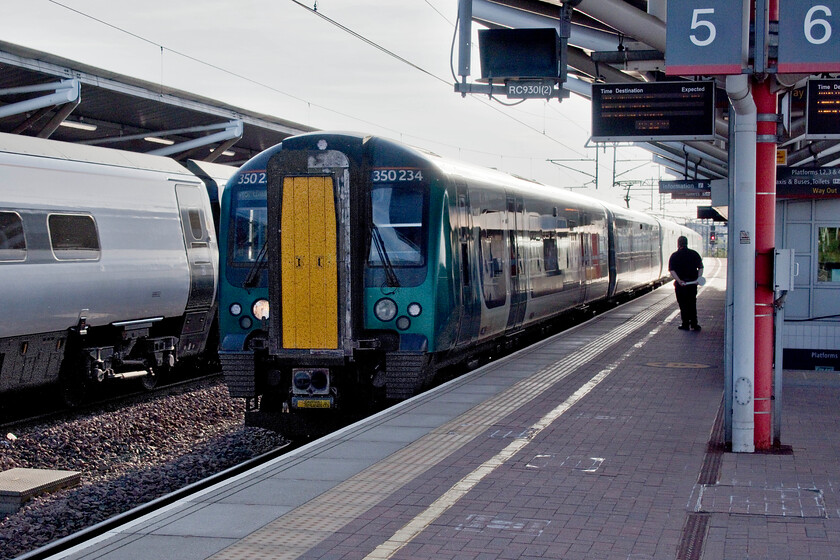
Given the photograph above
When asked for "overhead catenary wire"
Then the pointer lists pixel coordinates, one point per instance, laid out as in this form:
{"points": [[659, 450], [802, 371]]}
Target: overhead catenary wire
{"points": [[197, 60], [261, 84], [428, 73]]}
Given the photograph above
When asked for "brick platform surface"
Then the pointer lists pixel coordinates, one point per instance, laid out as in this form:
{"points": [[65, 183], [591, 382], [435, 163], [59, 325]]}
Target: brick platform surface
{"points": [[617, 476], [603, 442]]}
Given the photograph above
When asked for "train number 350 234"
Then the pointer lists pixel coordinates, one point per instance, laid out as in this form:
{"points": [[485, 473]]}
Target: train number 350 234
{"points": [[396, 175]]}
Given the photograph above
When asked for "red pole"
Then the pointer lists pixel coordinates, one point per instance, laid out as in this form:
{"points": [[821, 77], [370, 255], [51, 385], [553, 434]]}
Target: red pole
{"points": [[765, 232]]}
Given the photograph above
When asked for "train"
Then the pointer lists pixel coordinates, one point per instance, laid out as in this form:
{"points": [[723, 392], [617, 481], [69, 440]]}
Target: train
{"points": [[356, 269], [108, 264]]}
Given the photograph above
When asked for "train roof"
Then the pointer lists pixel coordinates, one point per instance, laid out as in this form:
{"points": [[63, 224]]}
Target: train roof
{"points": [[53, 149], [495, 176]]}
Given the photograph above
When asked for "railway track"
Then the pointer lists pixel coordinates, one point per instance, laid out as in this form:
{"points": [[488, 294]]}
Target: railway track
{"points": [[15, 415], [128, 454]]}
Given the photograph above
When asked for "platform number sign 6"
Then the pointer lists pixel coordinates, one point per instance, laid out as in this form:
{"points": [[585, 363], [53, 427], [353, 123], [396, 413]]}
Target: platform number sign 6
{"points": [[697, 22], [706, 37], [808, 38], [812, 21]]}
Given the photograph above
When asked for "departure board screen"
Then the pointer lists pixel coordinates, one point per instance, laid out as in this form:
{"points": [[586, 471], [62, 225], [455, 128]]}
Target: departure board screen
{"points": [[653, 111], [822, 120]]}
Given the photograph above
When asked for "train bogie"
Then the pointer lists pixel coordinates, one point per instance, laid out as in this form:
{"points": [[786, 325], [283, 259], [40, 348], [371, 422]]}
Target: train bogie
{"points": [[109, 263]]}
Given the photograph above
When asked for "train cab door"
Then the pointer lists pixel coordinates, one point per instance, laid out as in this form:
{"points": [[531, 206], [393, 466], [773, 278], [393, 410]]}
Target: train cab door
{"points": [[198, 241], [518, 281], [470, 305], [309, 263]]}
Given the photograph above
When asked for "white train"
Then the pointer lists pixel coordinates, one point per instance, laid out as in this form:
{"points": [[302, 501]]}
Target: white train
{"points": [[108, 262]]}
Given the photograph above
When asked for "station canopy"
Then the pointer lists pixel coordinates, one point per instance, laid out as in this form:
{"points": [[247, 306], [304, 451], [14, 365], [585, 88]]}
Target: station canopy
{"points": [[611, 41], [623, 41], [52, 97]]}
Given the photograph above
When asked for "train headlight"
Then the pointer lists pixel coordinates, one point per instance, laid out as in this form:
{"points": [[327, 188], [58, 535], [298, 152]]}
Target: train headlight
{"points": [[245, 322], [385, 309], [260, 309], [235, 309], [403, 323], [414, 309]]}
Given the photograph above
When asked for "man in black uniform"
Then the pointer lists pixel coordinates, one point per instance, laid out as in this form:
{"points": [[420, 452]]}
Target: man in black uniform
{"points": [[686, 265]]}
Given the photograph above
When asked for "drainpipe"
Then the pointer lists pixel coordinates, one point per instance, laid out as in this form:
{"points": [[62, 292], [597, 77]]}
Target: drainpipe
{"points": [[743, 280]]}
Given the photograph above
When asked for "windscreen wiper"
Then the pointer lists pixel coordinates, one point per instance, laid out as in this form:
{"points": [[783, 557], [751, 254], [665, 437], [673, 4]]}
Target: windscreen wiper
{"points": [[257, 267], [390, 275]]}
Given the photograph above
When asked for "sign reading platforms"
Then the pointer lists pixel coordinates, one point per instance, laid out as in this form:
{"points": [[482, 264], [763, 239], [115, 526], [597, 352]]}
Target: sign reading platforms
{"points": [[650, 111], [706, 37], [810, 182]]}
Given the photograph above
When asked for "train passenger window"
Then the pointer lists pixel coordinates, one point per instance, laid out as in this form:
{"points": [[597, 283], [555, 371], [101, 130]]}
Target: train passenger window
{"points": [[12, 239], [492, 251], [73, 237], [828, 251], [196, 223], [550, 252]]}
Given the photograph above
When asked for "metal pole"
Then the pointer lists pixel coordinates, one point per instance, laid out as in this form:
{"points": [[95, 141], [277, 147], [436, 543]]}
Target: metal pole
{"points": [[743, 280], [728, 377], [765, 240], [464, 38], [778, 374]]}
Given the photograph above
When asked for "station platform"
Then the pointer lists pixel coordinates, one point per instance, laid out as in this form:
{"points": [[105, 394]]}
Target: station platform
{"points": [[600, 442]]}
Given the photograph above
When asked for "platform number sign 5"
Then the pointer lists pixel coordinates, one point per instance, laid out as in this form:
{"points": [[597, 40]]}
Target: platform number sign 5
{"points": [[706, 37], [698, 21], [809, 36]]}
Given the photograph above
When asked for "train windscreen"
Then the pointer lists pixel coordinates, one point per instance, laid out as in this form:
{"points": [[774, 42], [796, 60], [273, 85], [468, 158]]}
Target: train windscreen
{"points": [[398, 235], [398, 217], [250, 216]]}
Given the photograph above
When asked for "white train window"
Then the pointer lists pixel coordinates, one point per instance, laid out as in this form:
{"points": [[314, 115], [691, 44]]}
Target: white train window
{"points": [[73, 237], [196, 223], [12, 239]]}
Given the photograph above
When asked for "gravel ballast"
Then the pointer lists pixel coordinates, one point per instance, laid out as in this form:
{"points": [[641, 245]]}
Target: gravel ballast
{"points": [[127, 457]]}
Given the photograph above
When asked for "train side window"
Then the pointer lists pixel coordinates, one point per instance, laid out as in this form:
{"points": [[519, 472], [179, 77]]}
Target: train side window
{"points": [[12, 239], [196, 223], [494, 283], [73, 237], [550, 252]]}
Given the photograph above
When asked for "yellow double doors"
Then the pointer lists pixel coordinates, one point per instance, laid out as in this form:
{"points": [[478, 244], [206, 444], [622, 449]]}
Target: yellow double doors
{"points": [[309, 274]]}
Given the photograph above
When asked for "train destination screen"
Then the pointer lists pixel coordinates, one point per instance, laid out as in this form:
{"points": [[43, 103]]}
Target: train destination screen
{"points": [[822, 120], [653, 111]]}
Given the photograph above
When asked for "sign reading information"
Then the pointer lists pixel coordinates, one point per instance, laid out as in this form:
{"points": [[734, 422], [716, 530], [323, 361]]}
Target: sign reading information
{"points": [[687, 188]]}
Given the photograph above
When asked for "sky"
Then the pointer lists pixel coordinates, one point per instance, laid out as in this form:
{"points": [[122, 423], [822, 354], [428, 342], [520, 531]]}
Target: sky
{"points": [[280, 58]]}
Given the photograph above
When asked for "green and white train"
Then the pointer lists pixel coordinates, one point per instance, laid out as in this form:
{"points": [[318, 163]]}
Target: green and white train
{"points": [[355, 267]]}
